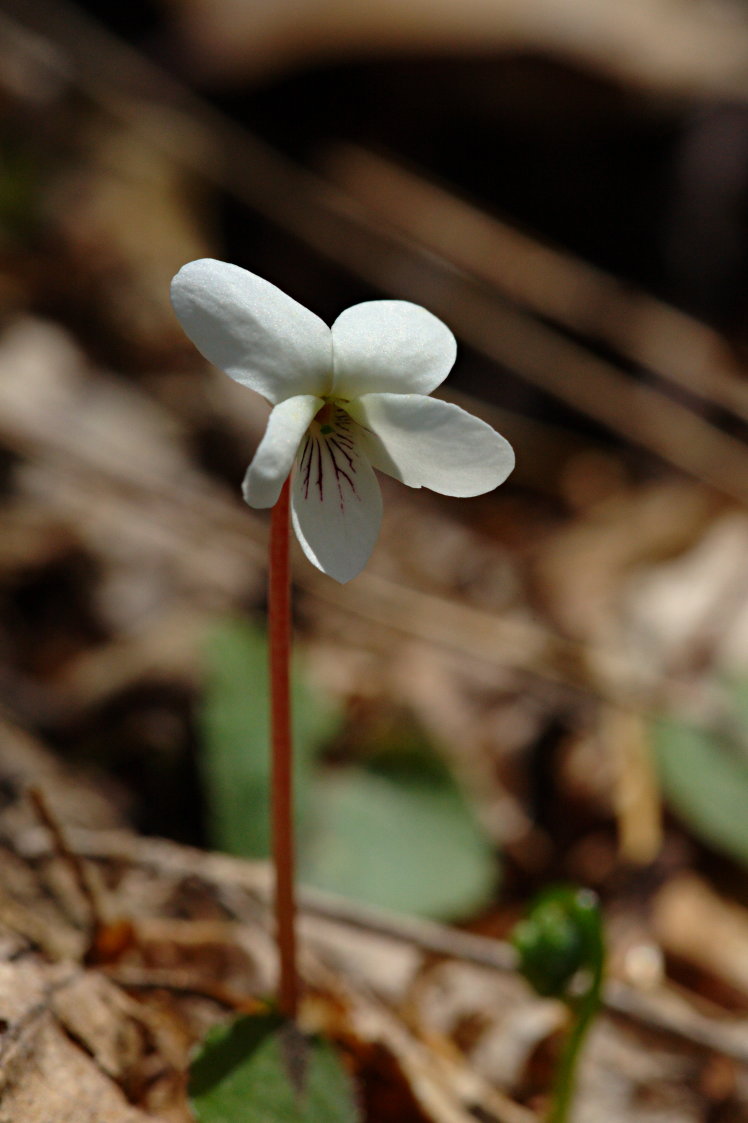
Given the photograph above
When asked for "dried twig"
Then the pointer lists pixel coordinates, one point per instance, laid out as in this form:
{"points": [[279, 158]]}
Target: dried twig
{"points": [[68, 856]]}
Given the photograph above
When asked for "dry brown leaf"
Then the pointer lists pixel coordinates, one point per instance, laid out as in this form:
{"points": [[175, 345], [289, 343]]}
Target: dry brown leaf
{"points": [[691, 612], [704, 929], [582, 570], [46, 1076]]}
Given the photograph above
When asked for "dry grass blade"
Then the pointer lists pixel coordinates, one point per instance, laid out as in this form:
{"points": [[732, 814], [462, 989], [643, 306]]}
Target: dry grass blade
{"points": [[675, 47], [545, 280]]}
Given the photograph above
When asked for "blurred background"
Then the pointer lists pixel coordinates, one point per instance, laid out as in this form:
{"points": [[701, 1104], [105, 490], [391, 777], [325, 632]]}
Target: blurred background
{"points": [[548, 682]]}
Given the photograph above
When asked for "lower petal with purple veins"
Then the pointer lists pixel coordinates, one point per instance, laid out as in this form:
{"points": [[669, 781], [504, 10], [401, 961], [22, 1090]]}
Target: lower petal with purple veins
{"points": [[336, 504]]}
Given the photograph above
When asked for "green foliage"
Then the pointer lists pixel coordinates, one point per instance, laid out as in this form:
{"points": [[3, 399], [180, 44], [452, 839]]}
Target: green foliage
{"points": [[561, 950], [704, 773], [262, 1069], [397, 833], [400, 834], [235, 735], [19, 191]]}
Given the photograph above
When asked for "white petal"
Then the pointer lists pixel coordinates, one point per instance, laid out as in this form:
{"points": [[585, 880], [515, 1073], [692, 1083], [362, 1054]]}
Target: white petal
{"points": [[390, 346], [277, 450], [428, 443], [336, 505], [252, 330]]}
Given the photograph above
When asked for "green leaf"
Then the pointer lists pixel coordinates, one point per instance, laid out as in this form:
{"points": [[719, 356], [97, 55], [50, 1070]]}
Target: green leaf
{"points": [[704, 774], [235, 739], [738, 697], [400, 834], [397, 833], [262, 1069]]}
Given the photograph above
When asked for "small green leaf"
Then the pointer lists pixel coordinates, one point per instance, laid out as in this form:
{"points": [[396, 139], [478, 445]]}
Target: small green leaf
{"points": [[704, 774], [235, 739], [561, 934], [400, 834], [737, 689], [262, 1069]]}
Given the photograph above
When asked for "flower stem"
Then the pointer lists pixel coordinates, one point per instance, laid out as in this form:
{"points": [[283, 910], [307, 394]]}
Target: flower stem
{"points": [[565, 1077], [279, 627]]}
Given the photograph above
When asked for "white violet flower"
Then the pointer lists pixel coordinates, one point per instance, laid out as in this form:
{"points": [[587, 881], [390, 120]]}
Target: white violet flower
{"points": [[345, 400]]}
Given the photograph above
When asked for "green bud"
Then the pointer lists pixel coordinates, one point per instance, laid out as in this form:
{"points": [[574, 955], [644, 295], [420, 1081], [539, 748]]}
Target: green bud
{"points": [[559, 937]]}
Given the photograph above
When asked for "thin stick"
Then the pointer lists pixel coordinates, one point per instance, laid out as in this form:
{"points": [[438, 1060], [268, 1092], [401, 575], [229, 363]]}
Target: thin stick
{"points": [[65, 852], [279, 626]]}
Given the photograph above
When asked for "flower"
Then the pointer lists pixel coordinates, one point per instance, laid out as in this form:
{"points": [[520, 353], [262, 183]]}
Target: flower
{"points": [[345, 400]]}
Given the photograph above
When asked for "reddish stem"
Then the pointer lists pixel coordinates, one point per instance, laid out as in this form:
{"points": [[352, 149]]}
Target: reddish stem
{"points": [[279, 626]]}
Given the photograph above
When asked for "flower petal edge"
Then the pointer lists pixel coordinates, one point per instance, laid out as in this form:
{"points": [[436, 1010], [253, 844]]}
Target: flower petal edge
{"points": [[276, 452], [252, 330], [390, 346], [426, 442]]}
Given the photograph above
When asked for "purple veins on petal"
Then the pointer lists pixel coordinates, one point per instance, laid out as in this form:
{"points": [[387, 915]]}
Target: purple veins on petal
{"points": [[306, 464], [340, 472], [340, 446], [335, 444]]}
